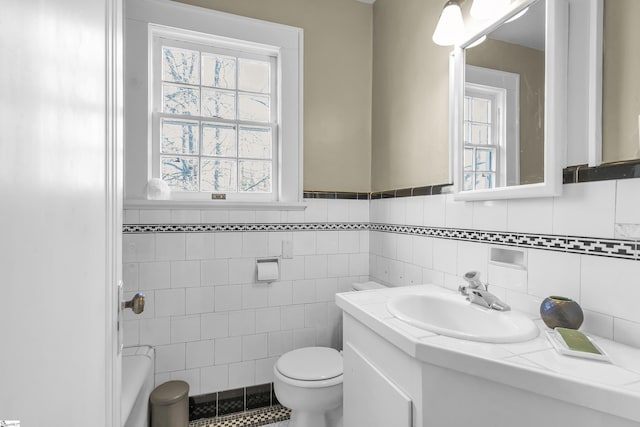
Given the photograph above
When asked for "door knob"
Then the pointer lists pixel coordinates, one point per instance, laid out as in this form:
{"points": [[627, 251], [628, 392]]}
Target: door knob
{"points": [[136, 304]]}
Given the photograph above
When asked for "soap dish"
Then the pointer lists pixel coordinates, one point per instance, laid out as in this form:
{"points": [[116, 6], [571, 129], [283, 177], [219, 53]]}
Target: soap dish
{"points": [[574, 343]]}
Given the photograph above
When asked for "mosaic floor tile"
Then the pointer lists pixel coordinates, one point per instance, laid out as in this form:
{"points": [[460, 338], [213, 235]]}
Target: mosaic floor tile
{"points": [[275, 416]]}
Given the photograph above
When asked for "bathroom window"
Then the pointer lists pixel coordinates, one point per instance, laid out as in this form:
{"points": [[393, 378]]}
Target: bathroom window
{"points": [[215, 127], [213, 104]]}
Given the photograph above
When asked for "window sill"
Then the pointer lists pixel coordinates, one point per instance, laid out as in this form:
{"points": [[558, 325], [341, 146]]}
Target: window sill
{"points": [[213, 205]]}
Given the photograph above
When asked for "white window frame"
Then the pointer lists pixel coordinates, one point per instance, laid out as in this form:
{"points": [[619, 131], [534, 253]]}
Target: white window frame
{"points": [[163, 36], [143, 15]]}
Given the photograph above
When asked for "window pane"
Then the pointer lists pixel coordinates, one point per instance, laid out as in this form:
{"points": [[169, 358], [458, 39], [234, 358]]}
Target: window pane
{"points": [[480, 109], [254, 76], [485, 160], [255, 142], [180, 65], [179, 137], [219, 175], [218, 71], [218, 140], [180, 99], [217, 103], [468, 181], [479, 134], [485, 180], [468, 159], [253, 108], [181, 173], [467, 132], [465, 105], [255, 176]]}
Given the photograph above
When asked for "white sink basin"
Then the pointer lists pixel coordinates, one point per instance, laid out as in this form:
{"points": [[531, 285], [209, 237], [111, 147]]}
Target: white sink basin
{"points": [[452, 315]]}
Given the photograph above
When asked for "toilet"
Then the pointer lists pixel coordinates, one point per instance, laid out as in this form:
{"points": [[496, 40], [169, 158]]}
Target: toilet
{"points": [[309, 382]]}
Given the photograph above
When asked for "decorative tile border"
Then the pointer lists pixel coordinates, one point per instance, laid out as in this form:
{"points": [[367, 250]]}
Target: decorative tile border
{"points": [[570, 175], [215, 405], [427, 190], [616, 248], [218, 228], [255, 418], [606, 171], [336, 195], [626, 249]]}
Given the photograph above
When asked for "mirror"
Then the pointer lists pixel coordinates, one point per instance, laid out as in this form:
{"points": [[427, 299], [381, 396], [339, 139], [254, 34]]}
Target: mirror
{"points": [[508, 104]]}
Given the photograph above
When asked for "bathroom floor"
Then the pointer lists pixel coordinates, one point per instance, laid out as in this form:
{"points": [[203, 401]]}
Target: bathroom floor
{"points": [[275, 416]]}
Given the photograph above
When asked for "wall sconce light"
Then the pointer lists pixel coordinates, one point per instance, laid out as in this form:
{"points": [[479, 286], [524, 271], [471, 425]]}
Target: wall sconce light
{"points": [[486, 9], [450, 28]]}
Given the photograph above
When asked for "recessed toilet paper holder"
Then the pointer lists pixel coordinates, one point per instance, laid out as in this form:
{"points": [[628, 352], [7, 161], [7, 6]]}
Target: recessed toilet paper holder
{"points": [[267, 270]]}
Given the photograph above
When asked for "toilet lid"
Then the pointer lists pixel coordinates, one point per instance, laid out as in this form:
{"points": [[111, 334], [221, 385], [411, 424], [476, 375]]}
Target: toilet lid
{"points": [[311, 364]]}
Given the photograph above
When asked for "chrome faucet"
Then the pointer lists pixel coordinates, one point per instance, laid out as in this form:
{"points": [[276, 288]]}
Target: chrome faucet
{"points": [[478, 293]]}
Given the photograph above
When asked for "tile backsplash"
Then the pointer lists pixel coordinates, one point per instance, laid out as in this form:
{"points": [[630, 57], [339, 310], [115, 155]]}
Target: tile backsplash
{"points": [[570, 245], [214, 326]]}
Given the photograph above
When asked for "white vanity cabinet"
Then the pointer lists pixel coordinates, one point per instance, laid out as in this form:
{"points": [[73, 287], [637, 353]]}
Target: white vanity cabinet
{"points": [[393, 377], [374, 399], [378, 388]]}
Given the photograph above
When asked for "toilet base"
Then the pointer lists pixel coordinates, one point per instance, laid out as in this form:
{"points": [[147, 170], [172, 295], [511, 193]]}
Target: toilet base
{"points": [[316, 419]]}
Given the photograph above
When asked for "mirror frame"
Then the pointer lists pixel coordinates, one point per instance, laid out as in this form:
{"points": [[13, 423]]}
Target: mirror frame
{"points": [[555, 114]]}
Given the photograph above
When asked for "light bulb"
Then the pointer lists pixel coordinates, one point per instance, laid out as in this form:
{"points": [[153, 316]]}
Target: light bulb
{"points": [[450, 28], [477, 42], [487, 9], [518, 15]]}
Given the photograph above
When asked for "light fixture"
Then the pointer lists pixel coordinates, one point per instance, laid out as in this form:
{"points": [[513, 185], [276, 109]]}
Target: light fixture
{"points": [[450, 28], [477, 42], [487, 9], [518, 15]]}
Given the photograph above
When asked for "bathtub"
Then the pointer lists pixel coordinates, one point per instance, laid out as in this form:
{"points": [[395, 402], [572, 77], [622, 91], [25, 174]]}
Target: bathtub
{"points": [[137, 385]]}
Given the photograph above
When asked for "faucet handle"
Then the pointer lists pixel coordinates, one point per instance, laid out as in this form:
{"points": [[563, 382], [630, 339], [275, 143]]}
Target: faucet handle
{"points": [[473, 279], [463, 290]]}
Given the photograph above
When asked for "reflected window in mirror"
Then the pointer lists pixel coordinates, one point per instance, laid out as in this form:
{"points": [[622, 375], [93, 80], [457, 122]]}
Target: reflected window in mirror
{"points": [[514, 53], [491, 129], [508, 104], [481, 139]]}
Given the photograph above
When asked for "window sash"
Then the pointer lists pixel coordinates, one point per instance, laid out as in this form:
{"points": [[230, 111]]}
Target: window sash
{"points": [[158, 115], [496, 136]]}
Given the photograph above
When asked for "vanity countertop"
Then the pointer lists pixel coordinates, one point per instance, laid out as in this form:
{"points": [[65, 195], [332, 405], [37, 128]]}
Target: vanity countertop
{"points": [[533, 365]]}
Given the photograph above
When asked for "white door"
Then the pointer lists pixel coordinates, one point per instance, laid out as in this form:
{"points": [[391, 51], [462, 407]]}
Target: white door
{"points": [[59, 212]]}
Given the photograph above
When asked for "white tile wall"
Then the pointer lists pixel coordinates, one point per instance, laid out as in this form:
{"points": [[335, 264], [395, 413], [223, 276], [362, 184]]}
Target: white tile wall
{"points": [[586, 209], [530, 216], [490, 215], [552, 273], [458, 214], [605, 287], [242, 374], [242, 322], [434, 211], [628, 202], [212, 324], [216, 328], [170, 247]]}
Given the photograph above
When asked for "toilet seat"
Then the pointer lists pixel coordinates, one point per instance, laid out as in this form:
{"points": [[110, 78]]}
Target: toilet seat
{"points": [[311, 367]]}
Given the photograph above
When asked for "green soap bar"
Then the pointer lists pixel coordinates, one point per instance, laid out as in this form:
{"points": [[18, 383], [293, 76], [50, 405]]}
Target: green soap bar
{"points": [[577, 341]]}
